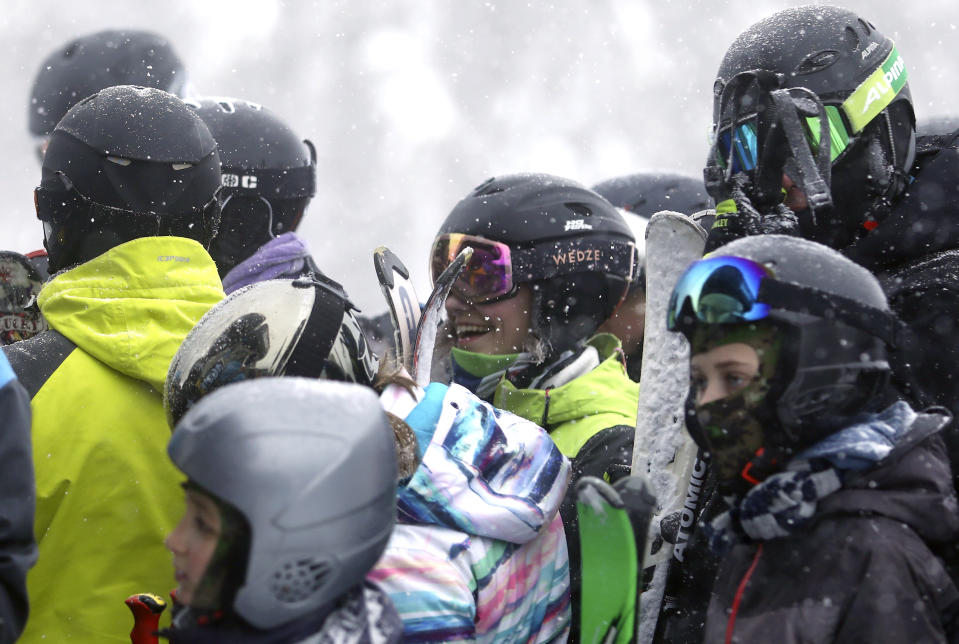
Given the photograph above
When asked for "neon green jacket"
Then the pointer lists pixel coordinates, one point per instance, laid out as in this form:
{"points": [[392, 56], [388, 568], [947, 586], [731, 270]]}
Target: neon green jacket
{"points": [[107, 495], [578, 410]]}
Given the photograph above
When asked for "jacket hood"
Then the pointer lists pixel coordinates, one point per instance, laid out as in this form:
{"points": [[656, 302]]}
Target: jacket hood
{"points": [[923, 221], [485, 472], [284, 256], [131, 307], [913, 485]]}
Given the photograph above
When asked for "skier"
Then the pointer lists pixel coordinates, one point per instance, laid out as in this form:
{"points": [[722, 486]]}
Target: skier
{"points": [[479, 552], [277, 549], [551, 261], [127, 207], [20, 283], [18, 547], [833, 491], [640, 196], [83, 66], [269, 178]]}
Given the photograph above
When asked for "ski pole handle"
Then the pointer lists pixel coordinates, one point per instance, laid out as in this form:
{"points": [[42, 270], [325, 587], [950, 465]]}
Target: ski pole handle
{"points": [[146, 609]]}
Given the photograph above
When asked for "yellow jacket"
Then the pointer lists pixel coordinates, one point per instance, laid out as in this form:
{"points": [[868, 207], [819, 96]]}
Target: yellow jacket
{"points": [[107, 494]]}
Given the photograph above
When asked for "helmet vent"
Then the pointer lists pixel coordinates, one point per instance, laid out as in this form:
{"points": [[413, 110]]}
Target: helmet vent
{"points": [[817, 61], [298, 580], [852, 38], [227, 106], [866, 26], [119, 161], [487, 188], [579, 209]]}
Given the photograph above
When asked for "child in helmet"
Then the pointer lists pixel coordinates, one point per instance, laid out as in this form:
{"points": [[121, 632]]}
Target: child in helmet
{"points": [[836, 491], [551, 261], [285, 515], [479, 552]]}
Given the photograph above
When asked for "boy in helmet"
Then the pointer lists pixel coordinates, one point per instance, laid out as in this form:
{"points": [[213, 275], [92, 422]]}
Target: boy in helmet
{"points": [[269, 178], [835, 495], [479, 552], [277, 549], [551, 261], [128, 205]]}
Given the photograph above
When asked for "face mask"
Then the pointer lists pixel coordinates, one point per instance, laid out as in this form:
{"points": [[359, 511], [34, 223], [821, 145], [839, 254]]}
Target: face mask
{"points": [[734, 429]]}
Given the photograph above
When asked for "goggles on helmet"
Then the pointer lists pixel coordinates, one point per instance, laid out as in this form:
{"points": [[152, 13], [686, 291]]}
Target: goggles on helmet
{"points": [[737, 146], [491, 274], [55, 206], [729, 290]]}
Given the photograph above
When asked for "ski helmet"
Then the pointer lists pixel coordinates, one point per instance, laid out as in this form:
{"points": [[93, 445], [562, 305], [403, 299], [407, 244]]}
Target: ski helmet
{"points": [[804, 75], [311, 466], [85, 65], [571, 245], [269, 176], [20, 283], [301, 327], [125, 163], [826, 360]]}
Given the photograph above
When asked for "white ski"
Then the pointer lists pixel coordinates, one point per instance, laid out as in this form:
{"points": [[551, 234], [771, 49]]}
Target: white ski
{"points": [[663, 451]]}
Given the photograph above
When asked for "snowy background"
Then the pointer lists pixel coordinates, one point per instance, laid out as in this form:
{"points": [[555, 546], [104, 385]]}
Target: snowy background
{"points": [[411, 103]]}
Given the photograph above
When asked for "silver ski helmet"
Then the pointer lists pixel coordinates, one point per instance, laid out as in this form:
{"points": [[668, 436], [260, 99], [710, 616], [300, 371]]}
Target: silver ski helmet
{"points": [[300, 327], [269, 175], [311, 466], [569, 243], [846, 83]]}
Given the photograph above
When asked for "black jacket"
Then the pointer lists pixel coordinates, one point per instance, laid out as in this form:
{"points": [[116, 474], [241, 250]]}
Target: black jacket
{"points": [[18, 549], [862, 570]]}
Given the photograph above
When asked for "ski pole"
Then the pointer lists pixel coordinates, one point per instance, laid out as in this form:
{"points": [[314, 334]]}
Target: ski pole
{"points": [[146, 609]]}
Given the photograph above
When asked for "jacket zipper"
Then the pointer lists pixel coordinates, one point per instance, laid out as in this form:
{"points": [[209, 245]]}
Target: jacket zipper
{"points": [[739, 595]]}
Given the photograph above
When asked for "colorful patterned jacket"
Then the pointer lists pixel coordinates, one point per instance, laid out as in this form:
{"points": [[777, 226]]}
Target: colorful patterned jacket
{"points": [[479, 553]]}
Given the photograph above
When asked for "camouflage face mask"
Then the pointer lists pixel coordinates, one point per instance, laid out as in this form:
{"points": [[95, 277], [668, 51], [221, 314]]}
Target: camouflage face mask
{"points": [[734, 429]]}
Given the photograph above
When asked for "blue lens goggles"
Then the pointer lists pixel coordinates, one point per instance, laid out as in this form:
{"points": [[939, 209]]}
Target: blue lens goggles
{"points": [[738, 146], [718, 290], [729, 290]]}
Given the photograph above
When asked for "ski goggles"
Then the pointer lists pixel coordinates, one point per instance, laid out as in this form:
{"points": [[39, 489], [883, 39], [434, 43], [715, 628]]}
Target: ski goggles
{"points": [[729, 290], [492, 273], [737, 145], [487, 277]]}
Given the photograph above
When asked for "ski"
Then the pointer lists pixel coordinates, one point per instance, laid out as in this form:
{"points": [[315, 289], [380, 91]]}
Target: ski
{"points": [[613, 525], [404, 307], [663, 451], [432, 316]]}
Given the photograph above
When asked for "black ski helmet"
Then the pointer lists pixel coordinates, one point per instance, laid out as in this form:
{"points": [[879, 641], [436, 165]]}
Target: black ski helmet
{"points": [[646, 193], [837, 334], [127, 162], [643, 194], [302, 327], [838, 68], [269, 176], [582, 255], [85, 65], [311, 467]]}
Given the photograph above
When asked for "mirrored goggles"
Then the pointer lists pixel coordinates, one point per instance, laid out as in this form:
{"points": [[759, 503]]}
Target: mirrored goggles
{"points": [[728, 290], [738, 145], [489, 274]]}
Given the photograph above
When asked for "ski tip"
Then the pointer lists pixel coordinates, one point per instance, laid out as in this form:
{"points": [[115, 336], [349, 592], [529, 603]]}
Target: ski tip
{"points": [[385, 262], [675, 220]]}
